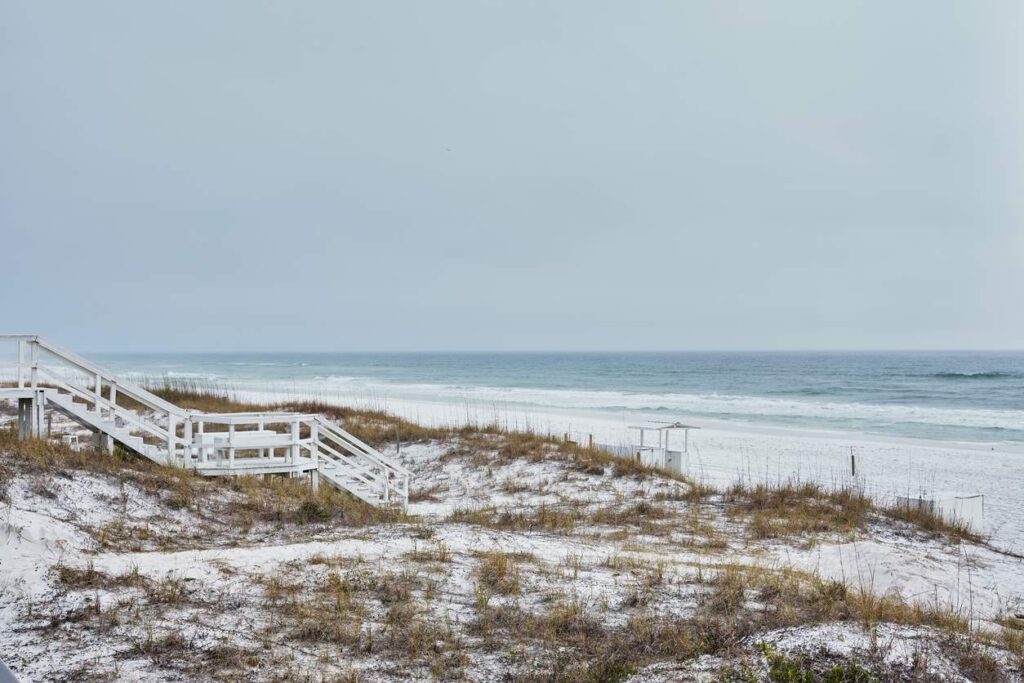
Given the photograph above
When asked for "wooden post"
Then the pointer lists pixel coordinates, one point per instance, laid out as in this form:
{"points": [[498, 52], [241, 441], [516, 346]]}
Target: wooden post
{"points": [[231, 444], [314, 444], [853, 461], [21, 363], [34, 366], [314, 451], [99, 396], [25, 408], [188, 438], [38, 405], [295, 442], [590, 441], [172, 431], [202, 446], [398, 440]]}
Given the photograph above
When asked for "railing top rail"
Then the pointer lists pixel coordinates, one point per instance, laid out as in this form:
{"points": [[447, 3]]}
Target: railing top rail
{"points": [[61, 381], [242, 441], [249, 418], [133, 390], [366, 450], [19, 337], [121, 412]]}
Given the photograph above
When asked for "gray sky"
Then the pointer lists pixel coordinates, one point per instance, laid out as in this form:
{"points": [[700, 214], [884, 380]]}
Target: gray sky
{"points": [[512, 175]]}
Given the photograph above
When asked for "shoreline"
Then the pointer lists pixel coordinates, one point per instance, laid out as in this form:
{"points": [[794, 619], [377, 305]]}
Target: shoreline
{"points": [[441, 412], [723, 453]]}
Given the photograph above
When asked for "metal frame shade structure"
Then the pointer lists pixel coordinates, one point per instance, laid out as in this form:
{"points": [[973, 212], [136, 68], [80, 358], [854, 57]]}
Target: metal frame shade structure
{"points": [[661, 455]]}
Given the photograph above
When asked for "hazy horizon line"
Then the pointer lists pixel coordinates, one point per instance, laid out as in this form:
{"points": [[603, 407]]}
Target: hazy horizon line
{"points": [[559, 351]]}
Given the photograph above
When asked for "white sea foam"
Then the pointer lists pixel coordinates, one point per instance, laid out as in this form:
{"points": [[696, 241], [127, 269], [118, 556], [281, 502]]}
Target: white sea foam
{"points": [[710, 405], [784, 411]]}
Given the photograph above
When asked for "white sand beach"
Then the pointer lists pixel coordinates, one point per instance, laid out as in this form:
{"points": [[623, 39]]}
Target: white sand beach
{"points": [[722, 453]]}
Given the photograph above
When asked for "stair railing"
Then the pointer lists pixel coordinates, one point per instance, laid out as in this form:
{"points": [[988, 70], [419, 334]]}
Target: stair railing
{"points": [[32, 369], [114, 411], [317, 436], [258, 439], [391, 476]]}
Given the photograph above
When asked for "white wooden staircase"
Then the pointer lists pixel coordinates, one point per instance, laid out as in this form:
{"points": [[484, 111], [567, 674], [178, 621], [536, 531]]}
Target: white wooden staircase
{"points": [[214, 444]]}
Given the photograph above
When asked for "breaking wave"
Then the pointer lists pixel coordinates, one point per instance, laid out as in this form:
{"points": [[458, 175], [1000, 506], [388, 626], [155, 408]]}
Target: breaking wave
{"points": [[717, 406], [992, 374]]}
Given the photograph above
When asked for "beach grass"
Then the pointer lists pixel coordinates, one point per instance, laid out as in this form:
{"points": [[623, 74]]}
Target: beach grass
{"points": [[779, 509]]}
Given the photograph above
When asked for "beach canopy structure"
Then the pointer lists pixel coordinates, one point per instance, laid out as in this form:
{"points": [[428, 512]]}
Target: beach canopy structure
{"points": [[116, 411], [660, 454]]}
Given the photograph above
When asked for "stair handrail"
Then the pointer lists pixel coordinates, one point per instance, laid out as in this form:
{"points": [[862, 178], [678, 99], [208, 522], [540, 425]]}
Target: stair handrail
{"points": [[130, 389], [349, 461], [353, 470], [360, 447], [249, 418], [119, 411], [351, 457], [365, 461]]}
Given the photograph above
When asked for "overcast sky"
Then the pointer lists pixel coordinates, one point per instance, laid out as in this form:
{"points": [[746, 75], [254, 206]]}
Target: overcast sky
{"points": [[381, 175]]}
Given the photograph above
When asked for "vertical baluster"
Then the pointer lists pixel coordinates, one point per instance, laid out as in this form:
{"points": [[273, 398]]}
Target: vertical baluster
{"points": [[99, 396], [231, 444], [34, 366], [39, 404], [188, 440], [202, 443], [172, 429], [314, 451], [295, 442], [21, 363]]}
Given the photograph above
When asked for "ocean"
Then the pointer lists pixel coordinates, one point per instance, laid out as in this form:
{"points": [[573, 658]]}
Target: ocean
{"points": [[950, 396]]}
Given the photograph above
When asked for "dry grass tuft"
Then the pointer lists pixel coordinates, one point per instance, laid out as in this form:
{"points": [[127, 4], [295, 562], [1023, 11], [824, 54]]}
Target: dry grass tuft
{"points": [[740, 603], [541, 518], [932, 523], [230, 505], [791, 508], [801, 509], [498, 573]]}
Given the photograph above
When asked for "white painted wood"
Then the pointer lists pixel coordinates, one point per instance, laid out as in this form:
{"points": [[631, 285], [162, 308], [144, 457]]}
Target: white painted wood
{"points": [[39, 404], [295, 441], [172, 431], [21, 363], [34, 350], [335, 456], [187, 439]]}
